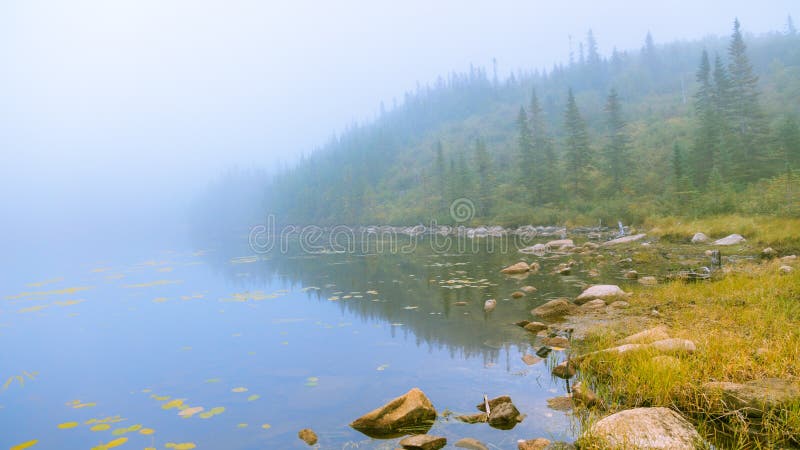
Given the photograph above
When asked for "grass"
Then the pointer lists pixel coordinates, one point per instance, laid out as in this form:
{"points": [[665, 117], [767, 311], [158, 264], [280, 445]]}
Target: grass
{"points": [[781, 233], [746, 326]]}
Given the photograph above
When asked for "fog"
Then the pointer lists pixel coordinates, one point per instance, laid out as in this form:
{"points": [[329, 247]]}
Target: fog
{"points": [[113, 114]]}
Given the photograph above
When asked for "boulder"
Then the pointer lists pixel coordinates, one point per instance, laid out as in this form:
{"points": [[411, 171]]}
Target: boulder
{"points": [[493, 403], [423, 442], [471, 444], [753, 397], [560, 243], [619, 304], [535, 327], [700, 238], [533, 444], [538, 249], [473, 418], [785, 270], [624, 239], [554, 308], [674, 345], [522, 323], [603, 291], [648, 281], [308, 436], [565, 370], [732, 239], [594, 305], [517, 294], [647, 336], [645, 428], [789, 258], [520, 267], [489, 305], [556, 341], [631, 274], [504, 416], [768, 253], [585, 396], [528, 289], [413, 410]]}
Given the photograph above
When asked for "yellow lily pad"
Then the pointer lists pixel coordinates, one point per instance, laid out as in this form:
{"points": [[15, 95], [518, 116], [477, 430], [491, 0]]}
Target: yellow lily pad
{"points": [[67, 425], [25, 445]]}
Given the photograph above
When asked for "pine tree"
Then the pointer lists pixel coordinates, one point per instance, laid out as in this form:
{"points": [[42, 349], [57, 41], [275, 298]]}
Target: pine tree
{"points": [[747, 121], [790, 28], [526, 167], [577, 154], [678, 168], [544, 157], [592, 54], [483, 166], [616, 150], [706, 137], [789, 142], [440, 174], [721, 120]]}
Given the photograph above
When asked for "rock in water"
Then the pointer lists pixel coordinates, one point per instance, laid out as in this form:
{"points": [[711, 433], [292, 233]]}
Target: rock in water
{"points": [[410, 411], [504, 416], [517, 294], [308, 436], [602, 291], [423, 442], [553, 308], [535, 327], [489, 305], [584, 395], [700, 238], [471, 444], [564, 370], [528, 289], [533, 444], [732, 239], [645, 428], [520, 267]]}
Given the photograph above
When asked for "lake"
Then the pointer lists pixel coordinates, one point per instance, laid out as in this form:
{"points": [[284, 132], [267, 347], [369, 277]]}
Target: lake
{"points": [[125, 348]]}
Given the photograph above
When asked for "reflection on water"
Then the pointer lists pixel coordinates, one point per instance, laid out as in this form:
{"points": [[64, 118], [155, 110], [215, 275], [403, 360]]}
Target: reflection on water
{"points": [[220, 348]]}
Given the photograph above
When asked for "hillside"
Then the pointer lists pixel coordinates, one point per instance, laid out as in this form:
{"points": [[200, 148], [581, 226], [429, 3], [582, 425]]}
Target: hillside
{"points": [[680, 138]]}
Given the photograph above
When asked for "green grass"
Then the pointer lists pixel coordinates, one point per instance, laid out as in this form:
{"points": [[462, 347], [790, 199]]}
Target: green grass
{"points": [[781, 233], [746, 326]]}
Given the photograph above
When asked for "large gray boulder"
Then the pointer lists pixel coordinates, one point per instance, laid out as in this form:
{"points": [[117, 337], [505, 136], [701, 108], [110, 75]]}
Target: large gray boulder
{"points": [[555, 308], [413, 410], [624, 239], [423, 442], [700, 238], [601, 291], [645, 428], [753, 397], [732, 239], [520, 267]]}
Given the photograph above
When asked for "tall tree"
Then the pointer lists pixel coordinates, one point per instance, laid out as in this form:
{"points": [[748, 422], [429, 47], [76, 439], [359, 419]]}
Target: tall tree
{"points": [[592, 54], [747, 121], [525, 171], [788, 138], [483, 167], [721, 120], [577, 153], [544, 157], [790, 28], [706, 137], [616, 149], [440, 174]]}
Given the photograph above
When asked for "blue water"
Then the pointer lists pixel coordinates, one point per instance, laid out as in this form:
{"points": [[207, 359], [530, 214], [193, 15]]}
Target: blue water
{"points": [[157, 323]]}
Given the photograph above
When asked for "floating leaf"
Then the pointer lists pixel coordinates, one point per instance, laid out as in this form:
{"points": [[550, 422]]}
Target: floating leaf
{"points": [[152, 284], [42, 283], [70, 290], [181, 446], [115, 443], [189, 412], [212, 412], [25, 445], [241, 425], [312, 381], [67, 425], [239, 389], [67, 302], [382, 367], [147, 431], [161, 398], [266, 426], [101, 427], [77, 404], [176, 403], [213, 380], [253, 398], [30, 309]]}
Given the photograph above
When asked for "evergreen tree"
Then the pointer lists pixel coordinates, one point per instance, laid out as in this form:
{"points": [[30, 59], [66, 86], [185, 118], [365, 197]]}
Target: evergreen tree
{"points": [[577, 156], [592, 54], [525, 174], [544, 157], [440, 175], [790, 28], [678, 169], [706, 137], [616, 150], [789, 142], [748, 126], [483, 166], [721, 120]]}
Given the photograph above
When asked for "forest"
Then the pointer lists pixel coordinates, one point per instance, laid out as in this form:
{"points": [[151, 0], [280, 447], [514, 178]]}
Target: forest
{"points": [[687, 128]]}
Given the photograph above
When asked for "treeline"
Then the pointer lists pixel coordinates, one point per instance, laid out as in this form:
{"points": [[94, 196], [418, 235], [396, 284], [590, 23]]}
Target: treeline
{"points": [[687, 128]]}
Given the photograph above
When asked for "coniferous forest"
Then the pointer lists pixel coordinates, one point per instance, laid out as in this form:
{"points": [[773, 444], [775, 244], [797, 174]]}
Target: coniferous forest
{"points": [[684, 128]]}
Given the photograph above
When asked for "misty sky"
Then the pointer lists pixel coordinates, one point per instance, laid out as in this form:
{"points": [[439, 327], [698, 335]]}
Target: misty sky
{"points": [[137, 102]]}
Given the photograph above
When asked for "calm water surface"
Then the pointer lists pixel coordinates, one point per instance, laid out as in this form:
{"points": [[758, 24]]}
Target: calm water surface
{"points": [[281, 342]]}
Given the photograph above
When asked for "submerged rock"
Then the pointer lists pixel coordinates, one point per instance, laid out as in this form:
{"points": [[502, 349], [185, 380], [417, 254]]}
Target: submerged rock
{"points": [[473, 418], [517, 294], [556, 341], [308, 436], [530, 359], [602, 291], [528, 289], [423, 442], [732, 239], [753, 398], [565, 370], [535, 327], [520, 267], [585, 396], [471, 444], [645, 428], [533, 444], [413, 410], [553, 308]]}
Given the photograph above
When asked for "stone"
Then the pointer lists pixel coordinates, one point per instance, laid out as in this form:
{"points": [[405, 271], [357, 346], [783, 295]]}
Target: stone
{"points": [[471, 444], [788, 259], [648, 281], [563, 269], [522, 323], [489, 305], [585, 396], [624, 348], [423, 442], [520, 267], [530, 359], [533, 444], [517, 294], [645, 428], [554, 308], [528, 289], [493, 403], [535, 327], [308, 436], [473, 418], [504, 416], [534, 267], [700, 238], [732, 239], [603, 291], [543, 351], [565, 370], [537, 249], [754, 398], [674, 345], [631, 274], [560, 243], [647, 336], [561, 403], [624, 239], [594, 305], [619, 304], [768, 253], [413, 410], [556, 341], [785, 270], [460, 304]]}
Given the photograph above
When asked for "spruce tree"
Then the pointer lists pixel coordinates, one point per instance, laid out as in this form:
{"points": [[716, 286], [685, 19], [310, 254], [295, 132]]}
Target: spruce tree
{"points": [[723, 145], [616, 149], [440, 174], [577, 156], [526, 165], [544, 157], [483, 167], [789, 142], [705, 140]]}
